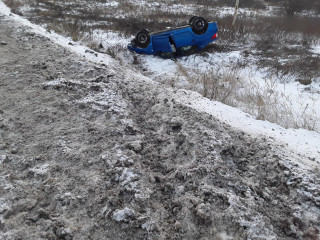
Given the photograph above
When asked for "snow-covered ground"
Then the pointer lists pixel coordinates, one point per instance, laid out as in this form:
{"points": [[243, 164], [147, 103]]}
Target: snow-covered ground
{"points": [[302, 101], [301, 141], [316, 49], [103, 151]]}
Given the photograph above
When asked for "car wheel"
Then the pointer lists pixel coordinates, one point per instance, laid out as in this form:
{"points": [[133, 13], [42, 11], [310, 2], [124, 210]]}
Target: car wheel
{"points": [[143, 38], [191, 20], [199, 25]]}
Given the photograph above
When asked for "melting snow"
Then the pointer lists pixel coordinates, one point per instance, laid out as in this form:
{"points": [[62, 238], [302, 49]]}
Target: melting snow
{"points": [[316, 49], [123, 215], [40, 170], [127, 176]]}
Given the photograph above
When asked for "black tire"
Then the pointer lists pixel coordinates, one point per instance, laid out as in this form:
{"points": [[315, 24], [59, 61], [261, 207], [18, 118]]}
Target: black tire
{"points": [[191, 20], [143, 38], [199, 25]]}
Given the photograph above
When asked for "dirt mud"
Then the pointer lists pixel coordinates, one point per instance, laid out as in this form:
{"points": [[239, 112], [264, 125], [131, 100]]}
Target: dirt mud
{"points": [[89, 151]]}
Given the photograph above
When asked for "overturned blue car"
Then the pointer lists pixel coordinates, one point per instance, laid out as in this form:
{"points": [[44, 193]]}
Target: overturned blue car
{"points": [[177, 41]]}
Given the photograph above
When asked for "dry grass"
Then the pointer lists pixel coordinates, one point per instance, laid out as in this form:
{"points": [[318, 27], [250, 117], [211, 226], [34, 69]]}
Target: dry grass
{"points": [[15, 5], [264, 99]]}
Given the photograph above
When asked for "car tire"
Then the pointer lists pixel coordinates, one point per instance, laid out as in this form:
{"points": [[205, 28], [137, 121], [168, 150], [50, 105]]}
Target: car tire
{"points": [[199, 25], [143, 38], [191, 20]]}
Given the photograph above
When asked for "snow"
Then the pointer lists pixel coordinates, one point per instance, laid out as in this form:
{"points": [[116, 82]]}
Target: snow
{"points": [[111, 4], [4, 9], [304, 142], [160, 66], [110, 39], [127, 176], [316, 49], [61, 81], [225, 236], [3, 158], [148, 225], [40, 170], [107, 99], [123, 215]]}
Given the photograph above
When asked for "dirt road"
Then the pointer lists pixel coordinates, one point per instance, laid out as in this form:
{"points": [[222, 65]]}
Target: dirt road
{"points": [[89, 151]]}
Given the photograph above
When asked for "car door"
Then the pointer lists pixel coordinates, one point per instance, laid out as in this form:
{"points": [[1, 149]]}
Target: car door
{"points": [[161, 43], [183, 38]]}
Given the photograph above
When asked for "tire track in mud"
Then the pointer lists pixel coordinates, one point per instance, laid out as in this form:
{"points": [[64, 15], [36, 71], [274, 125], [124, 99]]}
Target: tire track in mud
{"points": [[92, 152]]}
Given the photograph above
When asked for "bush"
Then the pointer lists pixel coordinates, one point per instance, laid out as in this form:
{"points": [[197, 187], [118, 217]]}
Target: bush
{"points": [[294, 6], [252, 4]]}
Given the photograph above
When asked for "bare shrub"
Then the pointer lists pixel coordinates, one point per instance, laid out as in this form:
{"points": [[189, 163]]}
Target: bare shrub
{"points": [[13, 4], [215, 83], [294, 6], [252, 4], [238, 34], [228, 3], [127, 6], [74, 29], [283, 46], [48, 15], [258, 4]]}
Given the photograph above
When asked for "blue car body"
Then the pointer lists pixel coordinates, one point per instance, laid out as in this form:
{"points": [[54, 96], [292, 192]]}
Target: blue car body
{"points": [[177, 40]]}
